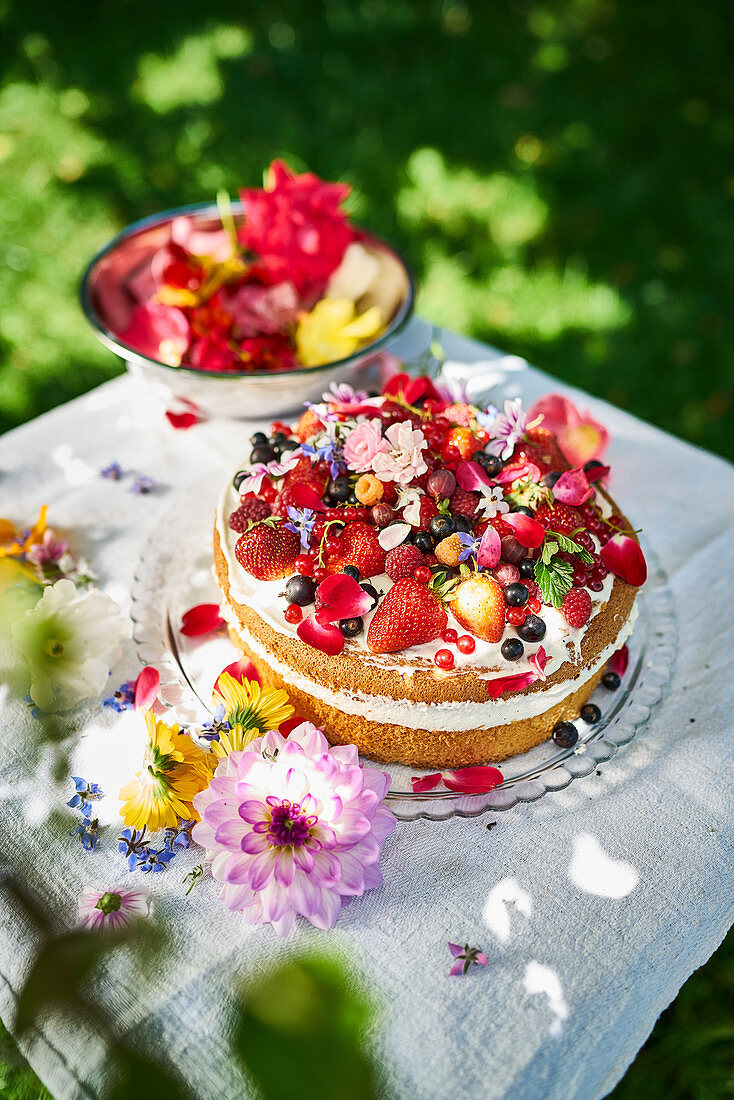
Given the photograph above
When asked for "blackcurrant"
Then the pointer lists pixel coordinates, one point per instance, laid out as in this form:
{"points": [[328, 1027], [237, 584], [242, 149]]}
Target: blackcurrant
{"points": [[239, 477], [523, 510], [512, 649], [258, 439], [300, 590], [611, 681], [463, 523], [278, 439], [262, 453], [550, 479], [423, 541], [527, 567], [353, 499], [591, 465], [516, 595], [590, 714], [290, 445], [565, 734], [441, 527], [351, 627], [490, 463], [532, 630], [339, 490], [352, 571]]}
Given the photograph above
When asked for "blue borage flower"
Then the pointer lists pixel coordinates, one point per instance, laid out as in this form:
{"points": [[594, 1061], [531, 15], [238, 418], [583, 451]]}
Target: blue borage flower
{"points": [[180, 836], [86, 794], [113, 472], [470, 544], [133, 845], [328, 450], [211, 730], [123, 698], [155, 861], [142, 484], [88, 833], [35, 712], [302, 523]]}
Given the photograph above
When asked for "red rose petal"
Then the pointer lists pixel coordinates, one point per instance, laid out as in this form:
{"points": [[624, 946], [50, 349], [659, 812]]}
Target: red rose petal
{"points": [[329, 639], [340, 597], [490, 549], [520, 680], [241, 670], [303, 496], [425, 782], [597, 473], [573, 487], [476, 780], [471, 476], [528, 531], [147, 687], [623, 557], [620, 660], [520, 471], [202, 619], [182, 421]]}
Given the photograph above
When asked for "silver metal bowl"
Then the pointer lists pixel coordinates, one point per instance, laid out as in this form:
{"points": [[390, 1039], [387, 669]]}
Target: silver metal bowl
{"points": [[246, 394]]}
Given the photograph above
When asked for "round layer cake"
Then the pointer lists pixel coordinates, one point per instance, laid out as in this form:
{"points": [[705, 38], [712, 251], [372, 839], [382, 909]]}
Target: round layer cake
{"points": [[429, 581]]}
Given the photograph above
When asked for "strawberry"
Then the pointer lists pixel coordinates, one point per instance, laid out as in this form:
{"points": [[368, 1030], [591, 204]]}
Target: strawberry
{"points": [[559, 517], [308, 474], [410, 614], [249, 512], [401, 561], [359, 546], [267, 551], [479, 605], [308, 425], [460, 413], [463, 503], [577, 607], [541, 447], [427, 512]]}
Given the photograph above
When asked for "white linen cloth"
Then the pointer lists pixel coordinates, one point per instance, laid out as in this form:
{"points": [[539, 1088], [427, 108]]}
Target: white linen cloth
{"points": [[593, 905]]}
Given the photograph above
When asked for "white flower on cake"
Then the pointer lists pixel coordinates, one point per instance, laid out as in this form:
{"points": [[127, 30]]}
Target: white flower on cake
{"points": [[69, 640], [409, 502], [508, 428], [492, 502], [404, 461]]}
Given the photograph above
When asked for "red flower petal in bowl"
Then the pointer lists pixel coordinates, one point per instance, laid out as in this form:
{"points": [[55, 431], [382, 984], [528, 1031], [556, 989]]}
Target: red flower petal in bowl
{"points": [[520, 680], [202, 619], [476, 780], [241, 670], [620, 660], [490, 549], [528, 531], [425, 782], [471, 476], [623, 557], [147, 687], [340, 597], [573, 487], [158, 331], [329, 639]]}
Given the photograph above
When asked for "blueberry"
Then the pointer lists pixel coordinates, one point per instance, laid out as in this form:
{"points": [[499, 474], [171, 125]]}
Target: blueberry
{"points": [[527, 567], [441, 527], [300, 590], [352, 571], [371, 591], [512, 649], [532, 630], [352, 499], [590, 714], [565, 734], [523, 510], [550, 479], [463, 523], [339, 490], [516, 594], [239, 477], [258, 439], [262, 453], [490, 463], [290, 445], [611, 681], [423, 541], [351, 627]]}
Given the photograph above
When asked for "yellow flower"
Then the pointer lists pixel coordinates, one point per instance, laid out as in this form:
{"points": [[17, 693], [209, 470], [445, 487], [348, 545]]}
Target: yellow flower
{"points": [[13, 544], [333, 330], [250, 710], [175, 769]]}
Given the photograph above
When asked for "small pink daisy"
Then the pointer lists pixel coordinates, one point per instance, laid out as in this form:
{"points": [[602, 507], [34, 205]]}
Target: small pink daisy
{"points": [[113, 907]]}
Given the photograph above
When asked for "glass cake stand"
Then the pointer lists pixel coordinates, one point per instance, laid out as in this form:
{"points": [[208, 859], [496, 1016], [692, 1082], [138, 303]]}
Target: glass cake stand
{"points": [[175, 573]]}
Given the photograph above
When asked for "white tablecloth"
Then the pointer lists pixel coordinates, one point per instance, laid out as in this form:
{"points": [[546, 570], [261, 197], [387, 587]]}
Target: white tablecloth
{"points": [[593, 905]]}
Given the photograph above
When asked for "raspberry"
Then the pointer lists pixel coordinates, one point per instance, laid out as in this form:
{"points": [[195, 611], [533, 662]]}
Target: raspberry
{"points": [[577, 607], [249, 512], [463, 503], [401, 561]]}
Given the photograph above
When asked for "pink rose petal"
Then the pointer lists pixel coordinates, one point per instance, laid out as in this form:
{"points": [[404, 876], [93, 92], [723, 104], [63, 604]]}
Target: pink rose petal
{"points": [[490, 549], [394, 535], [341, 597], [580, 437], [476, 780], [520, 471], [528, 532], [241, 670], [147, 687], [620, 661], [520, 680], [471, 476], [304, 496], [425, 782], [573, 487], [538, 661], [329, 639], [623, 557], [202, 619]]}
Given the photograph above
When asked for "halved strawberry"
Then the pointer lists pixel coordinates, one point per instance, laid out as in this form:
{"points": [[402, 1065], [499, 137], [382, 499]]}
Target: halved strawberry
{"points": [[268, 551], [410, 614], [360, 547], [479, 605], [308, 425]]}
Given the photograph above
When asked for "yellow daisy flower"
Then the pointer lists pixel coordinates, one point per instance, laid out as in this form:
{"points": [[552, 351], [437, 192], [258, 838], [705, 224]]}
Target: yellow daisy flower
{"points": [[175, 769], [14, 544], [250, 710], [333, 330]]}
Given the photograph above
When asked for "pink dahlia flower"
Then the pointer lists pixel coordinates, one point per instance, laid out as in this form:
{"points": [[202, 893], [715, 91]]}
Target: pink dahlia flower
{"points": [[363, 444], [580, 437], [113, 907], [293, 827]]}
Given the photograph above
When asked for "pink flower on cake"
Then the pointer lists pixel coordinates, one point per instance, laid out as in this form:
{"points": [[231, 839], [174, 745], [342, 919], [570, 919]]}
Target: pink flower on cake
{"points": [[254, 481], [580, 437], [508, 428], [293, 828], [363, 445], [403, 461]]}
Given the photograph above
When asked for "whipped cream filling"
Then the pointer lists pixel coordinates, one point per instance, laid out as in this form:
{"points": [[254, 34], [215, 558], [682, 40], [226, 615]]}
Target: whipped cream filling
{"points": [[562, 642]]}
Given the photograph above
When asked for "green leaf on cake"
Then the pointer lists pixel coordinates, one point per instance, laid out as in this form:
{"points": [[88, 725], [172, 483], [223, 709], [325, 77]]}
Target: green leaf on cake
{"points": [[569, 546], [555, 580]]}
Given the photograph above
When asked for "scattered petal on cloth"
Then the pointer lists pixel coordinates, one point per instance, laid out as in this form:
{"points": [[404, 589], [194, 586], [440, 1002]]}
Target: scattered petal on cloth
{"points": [[465, 957]]}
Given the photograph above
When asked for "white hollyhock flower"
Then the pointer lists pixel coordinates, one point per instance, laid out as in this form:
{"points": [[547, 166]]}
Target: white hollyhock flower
{"points": [[492, 502], [69, 640], [409, 503]]}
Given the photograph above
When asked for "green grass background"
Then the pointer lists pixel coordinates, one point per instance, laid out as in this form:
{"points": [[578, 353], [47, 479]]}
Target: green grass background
{"points": [[560, 174]]}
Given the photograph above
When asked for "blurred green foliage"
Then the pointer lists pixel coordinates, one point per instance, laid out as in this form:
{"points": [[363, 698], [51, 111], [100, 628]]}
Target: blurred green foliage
{"points": [[558, 172]]}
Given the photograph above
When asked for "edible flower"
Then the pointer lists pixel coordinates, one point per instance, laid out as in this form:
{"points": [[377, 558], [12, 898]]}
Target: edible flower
{"points": [[403, 462], [363, 445], [112, 907], [250, 710], [465, 957], [580, 437], [15, 544], [334, 330], [508, 428]]}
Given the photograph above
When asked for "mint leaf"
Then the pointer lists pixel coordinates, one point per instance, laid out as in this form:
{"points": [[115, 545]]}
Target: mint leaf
{"points": [[549, 549], [555, 579], [569, 546]]}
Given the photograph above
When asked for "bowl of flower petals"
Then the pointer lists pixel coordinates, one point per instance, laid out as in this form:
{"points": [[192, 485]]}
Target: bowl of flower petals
{"points": [[248, 309]]}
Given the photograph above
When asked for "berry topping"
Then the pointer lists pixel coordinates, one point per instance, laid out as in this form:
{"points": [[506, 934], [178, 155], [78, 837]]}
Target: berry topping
{"points": [[293, 613], [532, 630], [368, 490], [268, 551], [423, 541], [308, 425], [444, 659], [565, 735], [350, 628], [304, 565], [422, 574], [459, 445], [512, 649], [441, 527], [249, 512], [590, 714], [559, 517], [360, 547], [402, 561], [466, 644], [491, 464], [410, 614], [382, 515], [516, 595], [449, 635], [441, 484], [611, 681], [262, 453], [300, 590], [352, 571], [576, 607], [478, 604], [464, 503], [449, 550]]}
